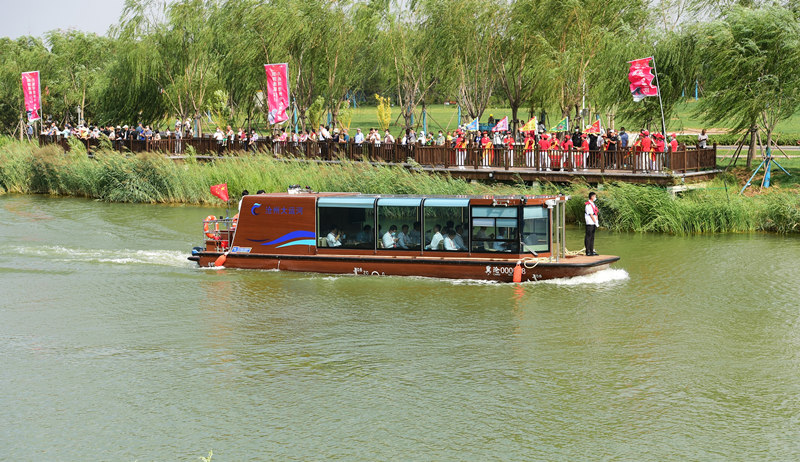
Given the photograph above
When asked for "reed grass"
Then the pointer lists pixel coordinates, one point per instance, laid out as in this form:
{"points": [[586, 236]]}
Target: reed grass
{"points": [[153, 178]]}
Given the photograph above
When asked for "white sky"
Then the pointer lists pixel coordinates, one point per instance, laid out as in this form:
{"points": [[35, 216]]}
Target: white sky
{"points": [[35, 17]]}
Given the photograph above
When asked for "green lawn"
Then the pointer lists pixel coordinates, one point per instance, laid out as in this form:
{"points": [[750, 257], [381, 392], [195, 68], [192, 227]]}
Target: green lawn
{"points": [[441, 117]]}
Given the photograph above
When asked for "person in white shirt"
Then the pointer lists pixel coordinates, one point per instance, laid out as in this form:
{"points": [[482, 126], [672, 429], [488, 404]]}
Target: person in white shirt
{"points": [[388, 139], [334, 238], [402, 238], [324, 134], [389, 238], [244, 193], [592, 222], [449, 241], [437, 238], [702, 139], [359, 138]]}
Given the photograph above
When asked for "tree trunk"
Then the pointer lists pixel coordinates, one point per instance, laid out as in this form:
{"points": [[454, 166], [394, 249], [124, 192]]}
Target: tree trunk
{"points": [[514, 110], [751, 152]]}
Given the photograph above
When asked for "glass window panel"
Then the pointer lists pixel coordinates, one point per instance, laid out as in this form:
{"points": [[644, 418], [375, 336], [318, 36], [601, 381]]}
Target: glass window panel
{"points": [[446, 202], [400, 201], [439, 219], [407, 233], [353, 226], [347, 202], [536, 229], [500, 212]]}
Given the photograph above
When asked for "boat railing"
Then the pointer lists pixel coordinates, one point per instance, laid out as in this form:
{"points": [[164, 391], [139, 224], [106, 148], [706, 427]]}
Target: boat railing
{"points": [[219, 233], [558, 206]]}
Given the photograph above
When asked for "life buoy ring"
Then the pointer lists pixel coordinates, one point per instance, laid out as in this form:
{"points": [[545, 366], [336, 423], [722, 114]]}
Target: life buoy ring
{"points": [[234, 222], [208, 232]]}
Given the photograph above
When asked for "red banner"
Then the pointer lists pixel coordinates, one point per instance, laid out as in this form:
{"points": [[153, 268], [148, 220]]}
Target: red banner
{"points": [[594, 128], [221, 191], [32, 90], [641, 78], [277, 92]]}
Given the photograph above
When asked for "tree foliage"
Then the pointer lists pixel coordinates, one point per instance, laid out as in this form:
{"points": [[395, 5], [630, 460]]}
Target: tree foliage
{"points": [[192, 58]]}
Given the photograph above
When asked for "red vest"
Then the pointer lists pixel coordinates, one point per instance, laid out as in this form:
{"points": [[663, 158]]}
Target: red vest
{"points": [[594, 207]]}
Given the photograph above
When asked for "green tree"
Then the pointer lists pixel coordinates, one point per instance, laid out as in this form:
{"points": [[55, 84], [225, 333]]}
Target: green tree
{"points": [[78, 59], [176, 53], [17, 56], [750, 62]]}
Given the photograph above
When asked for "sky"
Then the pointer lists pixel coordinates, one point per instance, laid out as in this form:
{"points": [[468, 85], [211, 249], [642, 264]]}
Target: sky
{"points": [[28, 17]]}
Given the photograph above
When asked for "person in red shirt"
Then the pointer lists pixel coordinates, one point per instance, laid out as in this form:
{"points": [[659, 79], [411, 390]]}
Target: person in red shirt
{"points": [[544, 146], [645, 145], [555, 152], [529, 144], [461, 150], [582, 159], [567, 146], [673, 143], [486, 146], [509, 142]]}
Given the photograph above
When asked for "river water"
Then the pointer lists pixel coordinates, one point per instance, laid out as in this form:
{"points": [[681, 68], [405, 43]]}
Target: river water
{"points": [[115, 347]]}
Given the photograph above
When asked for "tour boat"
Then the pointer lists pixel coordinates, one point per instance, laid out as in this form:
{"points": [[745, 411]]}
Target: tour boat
{"points": [[495, 238]]}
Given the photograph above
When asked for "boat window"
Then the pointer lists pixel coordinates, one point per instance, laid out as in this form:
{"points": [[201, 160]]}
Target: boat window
{"points": [[495, 229], [401, 219], [441, 216], [535, 229], [346, 222]]}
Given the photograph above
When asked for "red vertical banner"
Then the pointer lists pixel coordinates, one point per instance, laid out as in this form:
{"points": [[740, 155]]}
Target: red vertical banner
{"points": [[32, 90], [277, 92], [641, 78]]}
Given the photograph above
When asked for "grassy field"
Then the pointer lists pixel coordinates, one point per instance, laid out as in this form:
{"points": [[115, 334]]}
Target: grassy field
{"points": [[441, 117]]}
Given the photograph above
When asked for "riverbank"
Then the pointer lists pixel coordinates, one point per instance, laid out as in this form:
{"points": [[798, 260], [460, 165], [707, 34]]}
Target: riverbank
{"points": [[152, 178]]}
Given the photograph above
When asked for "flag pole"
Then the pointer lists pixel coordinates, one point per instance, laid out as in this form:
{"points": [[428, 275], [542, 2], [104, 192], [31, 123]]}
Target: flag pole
{"points": [[660, 103]]}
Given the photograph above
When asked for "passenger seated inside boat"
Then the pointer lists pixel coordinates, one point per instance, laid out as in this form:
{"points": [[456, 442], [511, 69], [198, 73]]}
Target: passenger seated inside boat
{"points": [[415, 235], [499, 245], [459, 239], [365, 235], [449, 241], [334, 238], [436, 240], [389, 240], [403, 239]]}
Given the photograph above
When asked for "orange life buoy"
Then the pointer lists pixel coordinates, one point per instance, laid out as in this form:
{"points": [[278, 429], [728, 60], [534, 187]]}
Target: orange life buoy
{"points": [[234, 222], [211, 235]]}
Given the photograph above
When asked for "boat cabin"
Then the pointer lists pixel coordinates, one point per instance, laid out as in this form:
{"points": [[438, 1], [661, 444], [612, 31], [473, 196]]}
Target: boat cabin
{"points": [[308, 223]]}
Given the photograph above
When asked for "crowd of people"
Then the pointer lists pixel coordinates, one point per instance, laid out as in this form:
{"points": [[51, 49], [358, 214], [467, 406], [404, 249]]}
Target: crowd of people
{"points": [[558, 150]]}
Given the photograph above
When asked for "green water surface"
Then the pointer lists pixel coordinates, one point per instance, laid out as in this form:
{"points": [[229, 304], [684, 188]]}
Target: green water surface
{"points": [[115, 347]]}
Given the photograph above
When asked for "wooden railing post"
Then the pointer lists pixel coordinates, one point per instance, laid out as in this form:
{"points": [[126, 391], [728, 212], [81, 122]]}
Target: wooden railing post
{"points": [[685, 166]]}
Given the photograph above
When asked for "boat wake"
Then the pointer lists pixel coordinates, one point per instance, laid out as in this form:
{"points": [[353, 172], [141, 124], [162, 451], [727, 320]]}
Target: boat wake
{"points": [[601, 277], [173, 258]]}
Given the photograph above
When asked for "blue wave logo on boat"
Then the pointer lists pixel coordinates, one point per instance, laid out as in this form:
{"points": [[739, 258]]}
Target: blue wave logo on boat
{"points": [[290, 239]]}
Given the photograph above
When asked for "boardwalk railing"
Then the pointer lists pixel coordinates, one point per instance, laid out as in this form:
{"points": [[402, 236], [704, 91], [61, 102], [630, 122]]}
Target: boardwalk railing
{"points": [[683, 160]]}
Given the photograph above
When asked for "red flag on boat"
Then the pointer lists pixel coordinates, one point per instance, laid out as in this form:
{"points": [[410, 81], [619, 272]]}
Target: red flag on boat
{"points": [[502, 125], [221, 191], [641, 78], [594, 128]]}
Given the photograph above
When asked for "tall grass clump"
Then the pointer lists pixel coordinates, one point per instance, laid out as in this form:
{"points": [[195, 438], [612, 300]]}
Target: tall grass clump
{"points": [[628, 207], [154, 178]]}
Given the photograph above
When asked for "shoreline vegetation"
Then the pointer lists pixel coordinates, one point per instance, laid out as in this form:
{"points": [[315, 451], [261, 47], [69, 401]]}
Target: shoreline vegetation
{"points": [[153, 178]]}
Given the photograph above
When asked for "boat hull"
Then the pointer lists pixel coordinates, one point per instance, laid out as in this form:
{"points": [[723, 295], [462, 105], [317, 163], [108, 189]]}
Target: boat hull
{"points": [[499, 270]]}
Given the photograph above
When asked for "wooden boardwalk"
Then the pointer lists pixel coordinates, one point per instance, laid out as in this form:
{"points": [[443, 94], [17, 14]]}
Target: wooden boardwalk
{"points": [[499, 163]]}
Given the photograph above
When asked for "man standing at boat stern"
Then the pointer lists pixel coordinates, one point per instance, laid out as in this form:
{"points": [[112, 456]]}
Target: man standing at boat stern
{"points": [[592, 222]]}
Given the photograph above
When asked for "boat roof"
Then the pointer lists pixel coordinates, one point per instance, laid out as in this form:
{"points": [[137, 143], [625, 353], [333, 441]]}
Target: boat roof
{"points": [[409, 196]]}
